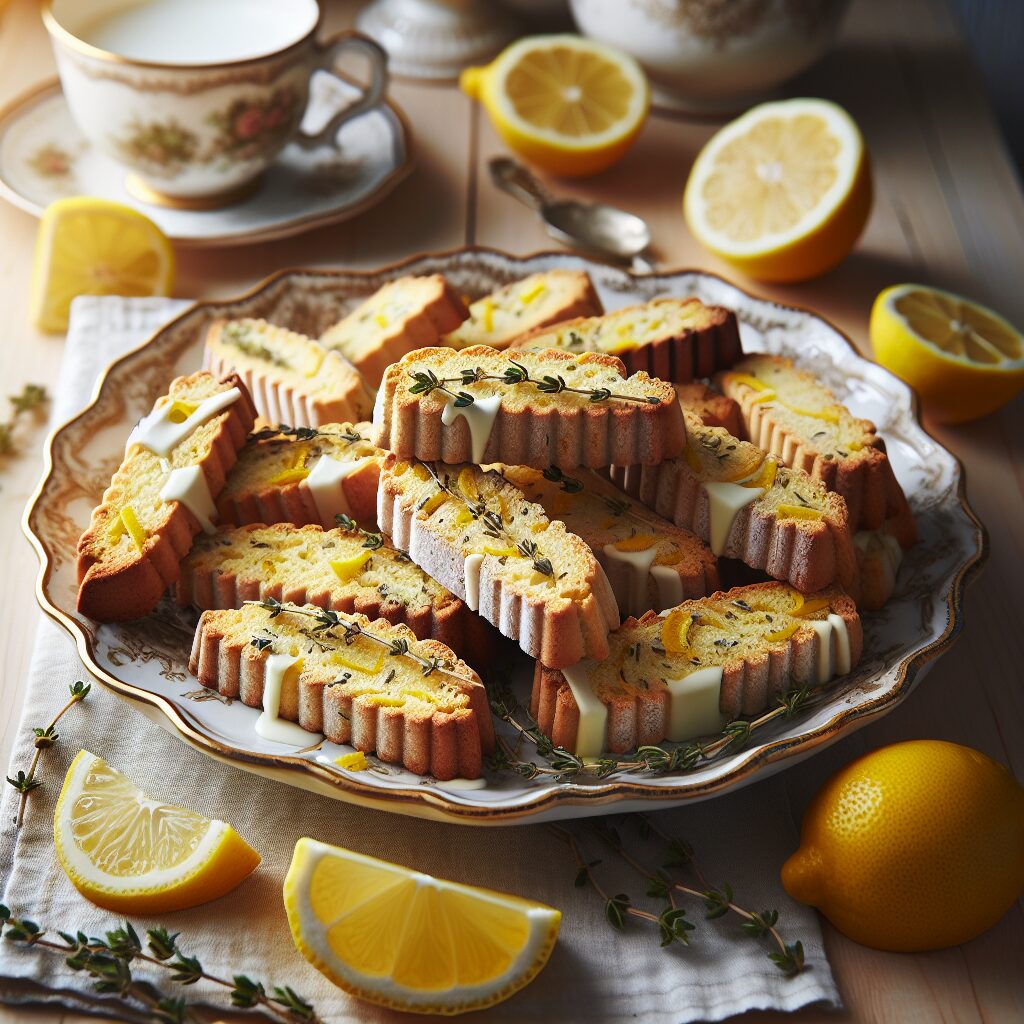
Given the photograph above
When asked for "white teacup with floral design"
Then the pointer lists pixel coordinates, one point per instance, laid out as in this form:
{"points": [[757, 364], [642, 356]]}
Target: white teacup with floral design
{"points": [[197, 97]]}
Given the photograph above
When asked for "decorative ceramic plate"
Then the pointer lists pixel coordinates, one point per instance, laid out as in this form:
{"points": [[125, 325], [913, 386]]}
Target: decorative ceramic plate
{"points": [[146, 661], [43, 157]]}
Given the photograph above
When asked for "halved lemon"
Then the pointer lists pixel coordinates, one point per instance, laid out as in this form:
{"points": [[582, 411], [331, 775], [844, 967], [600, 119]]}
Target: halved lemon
{"points": [[409, 941], [134, 855], [571, 105], [783, 192], [964, 360], [89, 246]]}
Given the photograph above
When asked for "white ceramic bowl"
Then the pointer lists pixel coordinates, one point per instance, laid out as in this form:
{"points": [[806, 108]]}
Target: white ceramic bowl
{"points": [[714, 55]]}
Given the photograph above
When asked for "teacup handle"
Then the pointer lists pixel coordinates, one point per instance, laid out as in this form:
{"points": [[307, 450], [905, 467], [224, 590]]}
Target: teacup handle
{"points": [[330, 54]]}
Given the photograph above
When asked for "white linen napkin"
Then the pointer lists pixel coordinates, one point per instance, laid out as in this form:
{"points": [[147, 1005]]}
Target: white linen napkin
{"points": [[596, 974]]}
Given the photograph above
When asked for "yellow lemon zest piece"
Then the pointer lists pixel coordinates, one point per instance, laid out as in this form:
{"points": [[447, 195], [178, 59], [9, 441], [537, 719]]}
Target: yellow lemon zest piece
{"points": [[782, 634], [638, 542], [133, 526], [463, 517], [675, 630], [467, 485], [806, 608], [346, 568], [765, 476], [349, 657], [180, 410], [797, 512], [533, 292], [627, 345], [499, 550], [380, 320], [354, 762], [315, 362], [830, 414], [487, 313], [434, 502]]}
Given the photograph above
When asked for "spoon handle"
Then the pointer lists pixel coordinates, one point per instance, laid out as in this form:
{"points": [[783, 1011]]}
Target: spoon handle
{"points": [[517, 181]]}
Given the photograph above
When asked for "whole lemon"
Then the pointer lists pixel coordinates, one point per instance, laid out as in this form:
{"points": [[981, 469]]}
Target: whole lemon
{"points": [[915, 846]]}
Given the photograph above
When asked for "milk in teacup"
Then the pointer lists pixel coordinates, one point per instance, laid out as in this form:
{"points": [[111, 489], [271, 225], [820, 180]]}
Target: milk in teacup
{"points": [[194, 31]]}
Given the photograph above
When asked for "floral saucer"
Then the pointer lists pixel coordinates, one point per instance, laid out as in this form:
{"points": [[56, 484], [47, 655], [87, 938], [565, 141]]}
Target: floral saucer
{"points": [[44, 157]]}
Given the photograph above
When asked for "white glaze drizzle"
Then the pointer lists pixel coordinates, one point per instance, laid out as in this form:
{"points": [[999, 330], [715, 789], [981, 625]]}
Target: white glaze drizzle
{"points": [[843, 661], [670, 586], [695, 701], [157, 433], [454, 785], [471, 574], [479, 418], [724, 503], [269, 725], [628, 575], [824, 666], [590, 734], [188, 486], [325, 483]]}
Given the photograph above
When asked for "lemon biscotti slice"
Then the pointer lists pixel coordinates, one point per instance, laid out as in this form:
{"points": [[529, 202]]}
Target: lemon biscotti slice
{"points": [[788, 413], [649, 562], [675, 339], [535, 409], [747, 505], [370, 684], [304, 475], [687, 672], [477, 535], [711, 407], [529, 304], [347, 569], [175, 464], [405, 314], [292, 379]]}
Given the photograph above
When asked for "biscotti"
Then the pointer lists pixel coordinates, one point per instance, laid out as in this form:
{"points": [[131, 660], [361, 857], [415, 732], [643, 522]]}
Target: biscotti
{"points": [[688, 672], [649, 562], [527, 305], [292, 379], [677, 340], [367, 683], [477, 535], [406, 314], [535, 409], [713, 408], [788, 413], [304, 475], [749, 506], [176, 461], [346, 569]]}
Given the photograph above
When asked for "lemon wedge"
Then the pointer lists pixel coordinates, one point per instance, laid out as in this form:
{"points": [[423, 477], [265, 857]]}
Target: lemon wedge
{"points": [[130, 854], [89, 246], [571, 105], [964, 360], [409, 941], [783, 192]]}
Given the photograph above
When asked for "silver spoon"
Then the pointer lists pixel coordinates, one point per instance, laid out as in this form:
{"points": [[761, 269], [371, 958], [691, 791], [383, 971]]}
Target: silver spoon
{"points": [[596, 228]]}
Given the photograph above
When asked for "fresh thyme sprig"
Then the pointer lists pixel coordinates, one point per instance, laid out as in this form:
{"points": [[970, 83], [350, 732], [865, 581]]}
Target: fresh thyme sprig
{"points": [[108, 961], [569, 483], [32, 396], [283, 431], [494, 525], [25, 782], [328, 621], [426, 381], [562, 765], [370, 540], [663, 883]]}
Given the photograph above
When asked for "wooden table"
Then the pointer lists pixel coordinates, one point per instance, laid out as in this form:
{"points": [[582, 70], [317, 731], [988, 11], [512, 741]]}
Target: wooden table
{"points": [[948, 211]]}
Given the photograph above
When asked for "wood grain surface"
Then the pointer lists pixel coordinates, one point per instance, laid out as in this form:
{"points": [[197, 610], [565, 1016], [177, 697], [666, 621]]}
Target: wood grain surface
{"points": [[948, 211]]}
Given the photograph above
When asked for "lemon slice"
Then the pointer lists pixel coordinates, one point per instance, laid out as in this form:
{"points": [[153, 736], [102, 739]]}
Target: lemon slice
{"points": [[406, 940], [89, 246], [783, 192], [964, 360], [571, 105], [134, 855]]}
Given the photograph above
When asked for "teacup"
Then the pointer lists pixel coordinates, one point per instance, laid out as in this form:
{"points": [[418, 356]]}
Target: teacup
{"points": [[197, 97]]}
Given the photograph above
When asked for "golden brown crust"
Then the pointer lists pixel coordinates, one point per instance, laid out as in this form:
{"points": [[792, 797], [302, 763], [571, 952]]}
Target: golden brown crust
{"points": [[861, 472], [211, 578], [750, 683], [335, 393], [529, 428], [556, 628], [713, 408], [808, 554], [130, 584], [446, 745], [710, 344]]}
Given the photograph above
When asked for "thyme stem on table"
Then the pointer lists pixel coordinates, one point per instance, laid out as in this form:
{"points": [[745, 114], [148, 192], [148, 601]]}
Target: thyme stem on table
{"points": [[32, 396], [46, 736], [108, 960]]}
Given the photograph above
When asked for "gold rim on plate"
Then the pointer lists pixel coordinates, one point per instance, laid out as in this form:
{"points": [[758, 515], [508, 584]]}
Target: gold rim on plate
{"points": [[592, 796]]}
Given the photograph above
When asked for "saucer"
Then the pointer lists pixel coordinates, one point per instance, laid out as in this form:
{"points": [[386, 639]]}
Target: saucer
{"points": [[43, 157]]}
